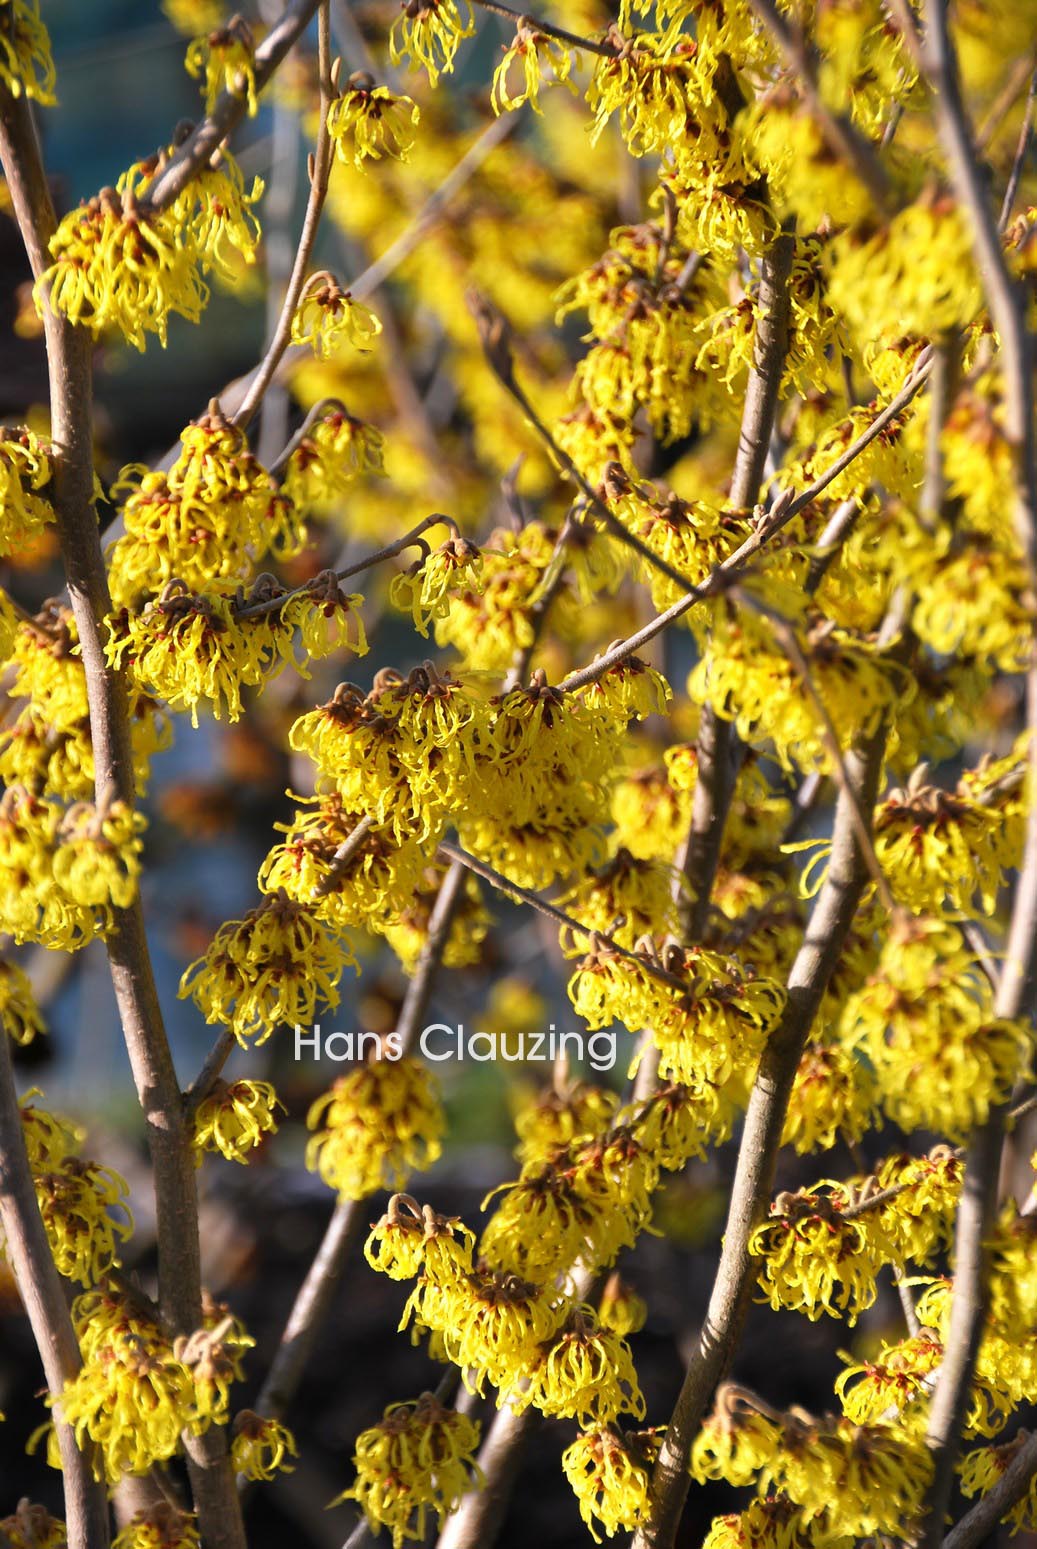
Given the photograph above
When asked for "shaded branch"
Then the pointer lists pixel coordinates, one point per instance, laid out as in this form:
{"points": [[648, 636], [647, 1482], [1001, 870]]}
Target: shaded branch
{"points": [[984, 1517], [320, 171], [43, 1296], [732, 1291]]}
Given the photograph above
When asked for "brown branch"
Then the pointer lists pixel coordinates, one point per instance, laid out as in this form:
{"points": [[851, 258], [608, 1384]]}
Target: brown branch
{"points": [[729, 1301], [320, 172], [390, 551], [202, 144], [477, 1521], [781, 513], [43, 1297], [1019, 161], [984, 1517], [1007, 304], [718, 748], [574, 39], [221, 1051], [71, 387], [494, 334], [523, 896], [717, 742], [316, 1294]]}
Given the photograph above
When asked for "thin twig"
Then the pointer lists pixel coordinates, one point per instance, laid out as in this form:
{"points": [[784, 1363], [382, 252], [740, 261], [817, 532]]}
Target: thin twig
{"points": [[523, 896], [200, 1088], [574, 39], [494, 335], [1019, 161], [43, 1297], [316, 1294], [781, 513], [409, 540], [320, 171]]}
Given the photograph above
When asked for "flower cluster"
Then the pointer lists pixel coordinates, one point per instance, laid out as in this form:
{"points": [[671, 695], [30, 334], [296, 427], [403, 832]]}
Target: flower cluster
{"points": [[374, 1127], [417, 1462]]}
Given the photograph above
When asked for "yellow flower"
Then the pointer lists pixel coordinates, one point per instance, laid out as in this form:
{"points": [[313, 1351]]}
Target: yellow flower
{"points": [[982, 1468], [428, 33], [555, 1118], [26, 64], [84, 1209], [834, 1095], [234, 1119], [327, 317], [335, 451], [585, 1373], [210, 517], [25, 470], [48, 1140], [374, 1127], [160, 1526], [418, 1460], [939, 849], [426, 588], [97, 860], [408, 1240], [532, 50], [737, 1440], [897, 1381], [33, 1527], [261, 1447], [272, 967], [609, 1474], [118, 264], [119, 267], [133, 1397], [925, 1020], [19, 1014], [816, 1261], [369, 122], [227, 59]]}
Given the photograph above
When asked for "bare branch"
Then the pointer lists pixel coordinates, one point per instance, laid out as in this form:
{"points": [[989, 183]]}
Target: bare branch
{"points": [[71, 393], [523, 896], [320, 171], [983, 1518], [599, 46], [43, 1297], [1021, 150], [781, 513], [815, 963]]}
